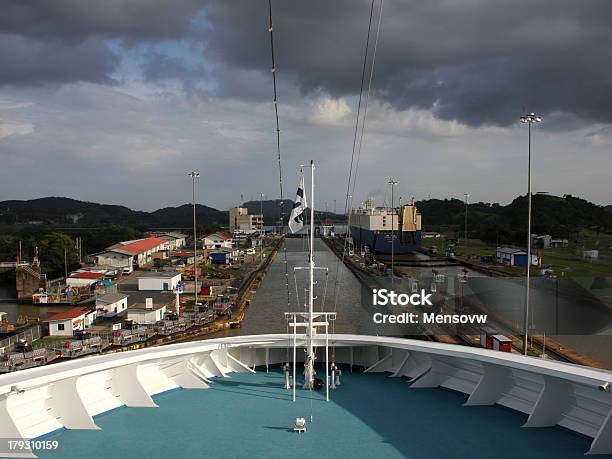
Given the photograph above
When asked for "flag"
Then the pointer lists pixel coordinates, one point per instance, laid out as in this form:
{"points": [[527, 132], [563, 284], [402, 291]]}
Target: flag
{"points": [[298, 212]]}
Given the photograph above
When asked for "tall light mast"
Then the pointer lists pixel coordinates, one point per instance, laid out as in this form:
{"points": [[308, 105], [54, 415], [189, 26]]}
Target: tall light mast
{"points": [[529, 118], [195, 174]]}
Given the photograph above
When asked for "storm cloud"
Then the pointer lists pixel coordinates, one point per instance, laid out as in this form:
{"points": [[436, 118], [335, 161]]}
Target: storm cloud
{"points": [[146, 90], [477, 61]]}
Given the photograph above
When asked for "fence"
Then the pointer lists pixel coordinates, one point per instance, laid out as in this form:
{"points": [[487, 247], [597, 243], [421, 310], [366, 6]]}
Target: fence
{"points": [[30, 335]]}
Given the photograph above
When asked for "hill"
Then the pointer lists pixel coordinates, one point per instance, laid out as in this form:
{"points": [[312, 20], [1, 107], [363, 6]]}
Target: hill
{"points": [[271, 210], [561, 217], [57, 211]]}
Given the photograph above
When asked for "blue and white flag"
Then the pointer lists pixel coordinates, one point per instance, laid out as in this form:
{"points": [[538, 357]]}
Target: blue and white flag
{"points": [[298, 212]]}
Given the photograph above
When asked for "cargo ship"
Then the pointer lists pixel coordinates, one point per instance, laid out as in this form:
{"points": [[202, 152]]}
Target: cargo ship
{"points": [[375, 228]]}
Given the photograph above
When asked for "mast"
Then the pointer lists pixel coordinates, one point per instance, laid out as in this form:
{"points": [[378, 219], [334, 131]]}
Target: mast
{"points": [[310, 353]]}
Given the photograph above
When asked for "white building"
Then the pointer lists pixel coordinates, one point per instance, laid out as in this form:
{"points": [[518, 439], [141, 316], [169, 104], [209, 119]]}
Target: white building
{"points": [[111, 304], [66, 323], [159, 282], [146, 315], [128, 253], [218, 240], [83, 279], [173, 239]]}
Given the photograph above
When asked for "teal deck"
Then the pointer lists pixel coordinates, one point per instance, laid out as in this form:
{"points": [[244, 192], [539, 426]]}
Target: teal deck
{"points": [[370, 415]]}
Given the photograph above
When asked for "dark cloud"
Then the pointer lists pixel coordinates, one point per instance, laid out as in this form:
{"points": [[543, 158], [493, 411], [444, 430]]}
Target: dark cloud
{"points": [[475, 61], [77, 20], [479, 62], [27, 62]]}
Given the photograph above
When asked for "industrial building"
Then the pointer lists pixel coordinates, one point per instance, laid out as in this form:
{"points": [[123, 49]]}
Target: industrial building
{"points": [[240, 219], [173, 239], [83, 279], [146, 314], [514, 257], [220, 256], [129, 253], [111, 304], [159, 281], [66, 323]]}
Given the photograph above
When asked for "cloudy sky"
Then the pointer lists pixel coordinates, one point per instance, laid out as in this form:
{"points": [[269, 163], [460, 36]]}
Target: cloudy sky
{"points": [[116, 101]]}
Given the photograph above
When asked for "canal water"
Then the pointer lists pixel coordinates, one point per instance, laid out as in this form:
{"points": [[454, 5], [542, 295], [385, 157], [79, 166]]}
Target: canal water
{"points": [[266, 312], [15, 310]]}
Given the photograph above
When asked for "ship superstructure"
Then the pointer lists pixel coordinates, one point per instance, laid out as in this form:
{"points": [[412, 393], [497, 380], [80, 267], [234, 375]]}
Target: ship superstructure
{"points": [[377, 227]]}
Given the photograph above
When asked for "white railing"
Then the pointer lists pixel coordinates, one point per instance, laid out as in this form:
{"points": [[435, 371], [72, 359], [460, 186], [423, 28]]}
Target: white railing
{"points": [[69, 394]]}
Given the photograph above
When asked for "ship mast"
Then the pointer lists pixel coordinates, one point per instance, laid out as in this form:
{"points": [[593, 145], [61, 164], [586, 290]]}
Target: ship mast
{"points": [[310, 356], [308, 320]]}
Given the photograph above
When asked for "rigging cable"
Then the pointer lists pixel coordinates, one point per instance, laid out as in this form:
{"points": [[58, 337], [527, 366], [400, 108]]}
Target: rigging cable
{"points": [[357, 146], [348, 185], [278, 152]]}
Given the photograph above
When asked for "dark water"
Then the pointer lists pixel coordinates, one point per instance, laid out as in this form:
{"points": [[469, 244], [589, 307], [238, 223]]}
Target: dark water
{"points": [[14, 310]]}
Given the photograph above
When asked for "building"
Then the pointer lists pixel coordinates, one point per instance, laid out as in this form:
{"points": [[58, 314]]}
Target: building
{"points": [[558, 243], [240, 219], [147, 313], [541, 241], [129, 253], [111, 304], [159, 282], [514, 257], [590, 254], [84, 279], [218, 240], [66, 323], [173, 239], [220, 257]]}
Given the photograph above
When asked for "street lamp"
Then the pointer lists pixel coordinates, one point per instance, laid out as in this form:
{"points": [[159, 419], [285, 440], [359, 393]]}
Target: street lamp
{"points": [[529, 118], [392, 183], [261, 196], [195, 174], [466, 210]]}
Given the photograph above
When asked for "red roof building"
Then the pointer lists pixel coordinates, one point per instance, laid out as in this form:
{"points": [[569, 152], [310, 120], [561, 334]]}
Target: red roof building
{"points": [[139, 246], [72, 313], [86, 275]]}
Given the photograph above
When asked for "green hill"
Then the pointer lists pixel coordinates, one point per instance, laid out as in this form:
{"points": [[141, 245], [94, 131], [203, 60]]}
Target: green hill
{"points": [[561, 217]]}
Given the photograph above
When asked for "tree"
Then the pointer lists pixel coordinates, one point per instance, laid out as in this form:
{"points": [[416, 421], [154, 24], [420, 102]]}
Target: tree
{"points": [[51, 250]]}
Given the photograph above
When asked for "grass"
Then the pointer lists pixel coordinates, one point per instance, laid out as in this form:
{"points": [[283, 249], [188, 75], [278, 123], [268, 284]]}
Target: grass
{"points": [[48, 341], [564, 261]]}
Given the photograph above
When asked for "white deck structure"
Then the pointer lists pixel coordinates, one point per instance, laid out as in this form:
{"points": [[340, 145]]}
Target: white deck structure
{"points": [[67, 395]]}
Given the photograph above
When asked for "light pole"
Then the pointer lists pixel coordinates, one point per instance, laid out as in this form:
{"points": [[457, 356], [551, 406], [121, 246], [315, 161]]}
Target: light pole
{"points": [[392, 183], [261, 196], [529, 118], [466, 210], [195, 174]]}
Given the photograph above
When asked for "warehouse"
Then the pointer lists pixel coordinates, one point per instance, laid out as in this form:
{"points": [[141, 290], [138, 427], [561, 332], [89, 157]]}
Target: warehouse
{"points": [[158, 282], [83, 279], [147, 313], [514, 257], [128, 253]]}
